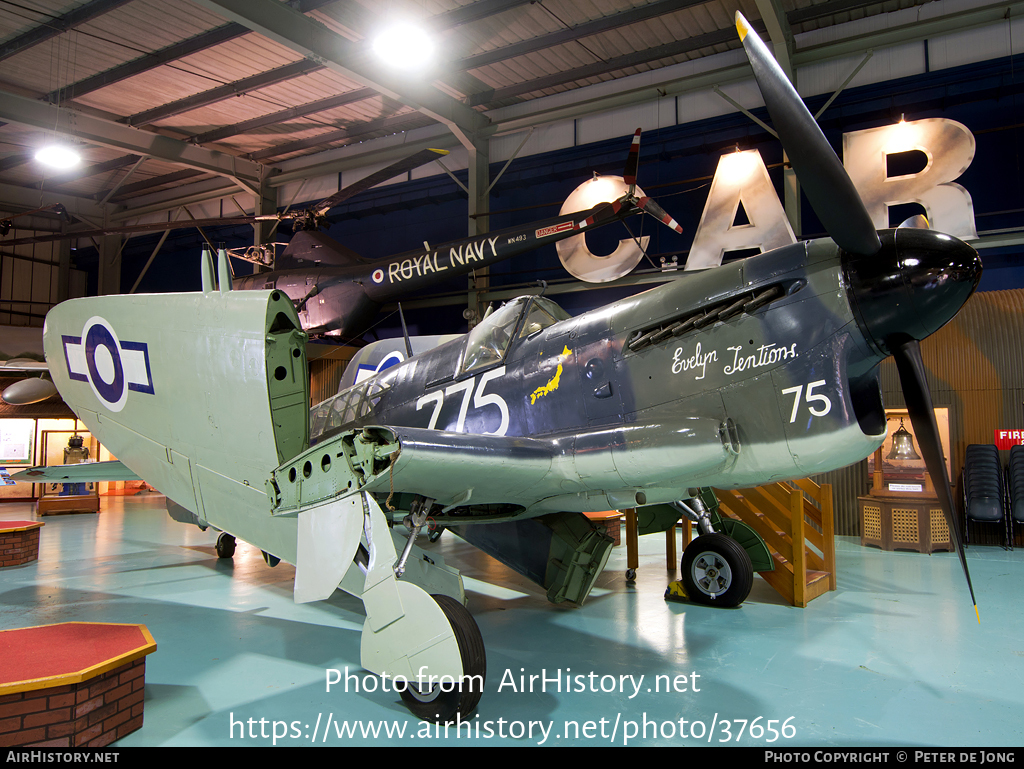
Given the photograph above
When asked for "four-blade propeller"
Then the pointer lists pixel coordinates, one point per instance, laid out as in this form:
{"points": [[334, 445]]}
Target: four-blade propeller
{"points": [[895, 297]]}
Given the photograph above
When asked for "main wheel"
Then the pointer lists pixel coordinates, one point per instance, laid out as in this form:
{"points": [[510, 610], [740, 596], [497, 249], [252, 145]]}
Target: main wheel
{"points": [[716, 570], [436, 704], [225, 545]]}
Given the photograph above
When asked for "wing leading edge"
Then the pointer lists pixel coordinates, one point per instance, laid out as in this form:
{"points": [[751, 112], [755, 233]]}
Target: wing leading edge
{"points": [[86, 472]]}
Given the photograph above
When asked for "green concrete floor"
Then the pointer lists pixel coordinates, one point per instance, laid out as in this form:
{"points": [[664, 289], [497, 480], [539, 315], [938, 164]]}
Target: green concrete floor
{"points": [[894, 657]]}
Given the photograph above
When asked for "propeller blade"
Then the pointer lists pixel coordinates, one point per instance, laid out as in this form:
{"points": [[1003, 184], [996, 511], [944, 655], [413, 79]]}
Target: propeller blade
{"points": [[919, 403], [829, 188], [632, 161], [388, 172], [659, 213]]}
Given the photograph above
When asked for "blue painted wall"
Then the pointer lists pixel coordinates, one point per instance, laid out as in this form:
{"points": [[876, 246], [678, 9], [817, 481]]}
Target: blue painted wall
{"points": [[675, 167]]}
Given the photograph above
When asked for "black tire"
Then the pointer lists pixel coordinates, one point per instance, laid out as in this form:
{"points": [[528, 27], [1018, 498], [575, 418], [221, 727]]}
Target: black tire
{"points": [[225, 545], [271, 560], [436, 704], [716, 571]]}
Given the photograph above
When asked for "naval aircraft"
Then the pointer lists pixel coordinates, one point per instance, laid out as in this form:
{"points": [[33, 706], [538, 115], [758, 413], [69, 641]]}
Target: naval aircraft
{"points": [[759, 370]]}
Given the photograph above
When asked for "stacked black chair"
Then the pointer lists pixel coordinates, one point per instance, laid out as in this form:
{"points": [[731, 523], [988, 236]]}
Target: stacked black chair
{"points": [[984, 497], [1015, 486]]}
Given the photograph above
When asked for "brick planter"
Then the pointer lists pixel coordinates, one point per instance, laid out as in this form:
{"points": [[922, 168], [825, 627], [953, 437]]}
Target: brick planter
{"points": [[19, 542], [609, 522], [77, 684]]}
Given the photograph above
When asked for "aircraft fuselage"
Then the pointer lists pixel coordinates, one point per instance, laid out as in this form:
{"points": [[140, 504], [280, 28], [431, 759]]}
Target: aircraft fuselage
{"points": [[676, 387]]}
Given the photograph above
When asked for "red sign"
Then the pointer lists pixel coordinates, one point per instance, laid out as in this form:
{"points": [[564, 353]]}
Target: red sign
{"points": [[1007, 438], [543, 232]]}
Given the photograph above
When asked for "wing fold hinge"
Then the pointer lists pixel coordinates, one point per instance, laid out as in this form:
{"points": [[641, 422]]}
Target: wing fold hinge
{"points": [[333, 469]]}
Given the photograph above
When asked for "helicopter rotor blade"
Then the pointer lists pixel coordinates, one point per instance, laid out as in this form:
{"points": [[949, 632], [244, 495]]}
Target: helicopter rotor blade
{"points": [[402, 166], [651, 207], [388, 172], [603, 213], [632, 162]]}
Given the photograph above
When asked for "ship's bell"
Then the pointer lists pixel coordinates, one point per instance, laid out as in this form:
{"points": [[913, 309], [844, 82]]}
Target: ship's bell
{"points": [[902, 444]]}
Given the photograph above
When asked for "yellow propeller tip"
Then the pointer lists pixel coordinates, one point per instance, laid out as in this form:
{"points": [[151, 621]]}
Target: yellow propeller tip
{"points": [[742, 26], [976, 613], [439, 152]]}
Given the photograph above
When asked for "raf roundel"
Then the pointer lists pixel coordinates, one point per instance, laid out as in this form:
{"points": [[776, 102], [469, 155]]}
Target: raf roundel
{"points": [[378, 276], [110, 366]]}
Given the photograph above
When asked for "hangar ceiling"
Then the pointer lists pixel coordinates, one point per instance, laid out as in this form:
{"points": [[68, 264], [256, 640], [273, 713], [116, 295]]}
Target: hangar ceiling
{"points": [[185, 109], [165, 94]]}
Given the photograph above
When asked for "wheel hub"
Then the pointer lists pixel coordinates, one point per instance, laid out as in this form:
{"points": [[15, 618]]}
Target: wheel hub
{"points": [[711, 574], [428, 694]]}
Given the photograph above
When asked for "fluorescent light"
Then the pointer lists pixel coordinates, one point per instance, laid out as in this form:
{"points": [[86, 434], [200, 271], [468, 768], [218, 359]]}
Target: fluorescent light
{"points": [[404, 46], [58, 156]]}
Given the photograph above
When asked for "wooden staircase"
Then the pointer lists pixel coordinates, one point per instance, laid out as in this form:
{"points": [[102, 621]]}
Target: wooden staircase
{"points": [[795, 521]]}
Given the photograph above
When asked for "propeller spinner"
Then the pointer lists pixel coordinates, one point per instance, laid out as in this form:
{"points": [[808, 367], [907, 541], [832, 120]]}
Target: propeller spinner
{"points": [[904, 284]]}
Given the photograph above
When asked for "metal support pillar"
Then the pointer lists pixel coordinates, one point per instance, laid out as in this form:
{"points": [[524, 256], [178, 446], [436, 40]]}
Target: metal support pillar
{"points": [[781, 34], [110, 265], [63, 270], [266, 204], [479, 222]]}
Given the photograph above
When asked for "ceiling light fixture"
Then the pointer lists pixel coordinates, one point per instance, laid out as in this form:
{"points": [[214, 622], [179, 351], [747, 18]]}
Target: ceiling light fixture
{"points": [[58, 156], [404, 46]]}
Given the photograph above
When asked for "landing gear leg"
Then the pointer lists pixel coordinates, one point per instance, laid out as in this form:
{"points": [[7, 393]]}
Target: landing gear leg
{"points": [[431, 642]]}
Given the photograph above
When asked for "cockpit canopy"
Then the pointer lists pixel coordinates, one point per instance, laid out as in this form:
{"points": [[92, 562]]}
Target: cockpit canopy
{"points": [[490, 340]]}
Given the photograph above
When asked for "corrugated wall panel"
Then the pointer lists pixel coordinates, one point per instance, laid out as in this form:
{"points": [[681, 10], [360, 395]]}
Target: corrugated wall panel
{"points": [[847, 484], [324, 376], [975, 367]]}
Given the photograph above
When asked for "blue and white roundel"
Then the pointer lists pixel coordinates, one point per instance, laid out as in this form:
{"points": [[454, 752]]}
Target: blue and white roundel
{"points": [[110, 366], [378, 276]]}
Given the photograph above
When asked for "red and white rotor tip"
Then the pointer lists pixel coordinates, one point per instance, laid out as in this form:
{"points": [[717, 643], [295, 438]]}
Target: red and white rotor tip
{"points": [[659, 213]]}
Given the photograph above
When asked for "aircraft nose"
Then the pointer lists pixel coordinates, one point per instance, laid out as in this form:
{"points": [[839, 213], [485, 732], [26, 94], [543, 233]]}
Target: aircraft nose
{"points": [[912, 287]]}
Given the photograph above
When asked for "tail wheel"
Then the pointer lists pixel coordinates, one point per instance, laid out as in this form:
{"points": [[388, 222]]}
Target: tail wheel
{"points": [[225, 545], [716, 571], [436, 704]]}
